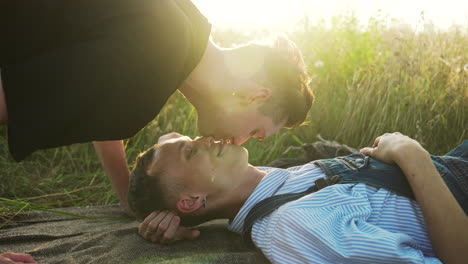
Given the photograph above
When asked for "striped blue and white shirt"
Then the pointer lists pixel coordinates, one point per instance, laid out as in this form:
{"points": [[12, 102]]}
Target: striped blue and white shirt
{"points": [[342, 223]]}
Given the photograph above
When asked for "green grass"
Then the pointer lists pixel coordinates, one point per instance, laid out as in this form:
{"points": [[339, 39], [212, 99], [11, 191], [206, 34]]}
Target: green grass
{"points": [[367, 81]]}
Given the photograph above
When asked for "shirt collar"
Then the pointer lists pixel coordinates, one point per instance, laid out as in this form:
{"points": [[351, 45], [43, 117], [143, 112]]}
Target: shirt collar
{"points": [[267, 187]]}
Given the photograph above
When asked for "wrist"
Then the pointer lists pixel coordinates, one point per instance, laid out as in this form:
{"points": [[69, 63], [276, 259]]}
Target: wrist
{"points": [[126, 209], [123, 199], [410, 153]]}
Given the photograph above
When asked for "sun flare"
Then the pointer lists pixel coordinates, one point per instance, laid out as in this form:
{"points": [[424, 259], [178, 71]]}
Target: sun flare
{"points": [[251, 14]]}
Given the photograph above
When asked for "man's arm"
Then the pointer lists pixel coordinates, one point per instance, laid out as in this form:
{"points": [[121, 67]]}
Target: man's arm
{"points": [[114, 162], [445, 219]]}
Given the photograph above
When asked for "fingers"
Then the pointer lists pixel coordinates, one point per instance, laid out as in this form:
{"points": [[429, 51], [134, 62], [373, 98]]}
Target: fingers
{"points": [[10, 257], [174, 232], [190, 234], [160, 224], [163, 228], [144, 225], [26, 258], [149, 230], [376, 141], [367, 151], [171, 233]]}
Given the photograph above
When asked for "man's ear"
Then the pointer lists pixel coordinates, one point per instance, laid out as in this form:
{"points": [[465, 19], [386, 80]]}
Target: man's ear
{"points": [[191, 203]]}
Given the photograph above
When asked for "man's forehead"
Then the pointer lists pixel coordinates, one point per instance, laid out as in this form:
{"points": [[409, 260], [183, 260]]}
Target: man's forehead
{"points": [[156, 161], [171, 145], [167, 151]]}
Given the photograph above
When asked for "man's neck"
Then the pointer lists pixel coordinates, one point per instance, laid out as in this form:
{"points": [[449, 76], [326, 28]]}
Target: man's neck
{"points": [[229, 203], [210, 80]]}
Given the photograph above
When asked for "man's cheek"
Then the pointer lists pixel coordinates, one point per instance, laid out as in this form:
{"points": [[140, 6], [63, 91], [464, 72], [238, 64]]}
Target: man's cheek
{"points": [[203, 164]]}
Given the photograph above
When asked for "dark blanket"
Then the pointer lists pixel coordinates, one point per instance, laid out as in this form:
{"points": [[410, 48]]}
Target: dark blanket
{"points": [[54, 238]]}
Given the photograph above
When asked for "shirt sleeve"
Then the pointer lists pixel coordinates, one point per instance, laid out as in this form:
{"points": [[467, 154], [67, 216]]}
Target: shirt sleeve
{"points": [[334, 235]]}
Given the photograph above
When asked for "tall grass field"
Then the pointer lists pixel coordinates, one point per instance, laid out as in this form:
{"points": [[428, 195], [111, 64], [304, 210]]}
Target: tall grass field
{"points": [[367, 80]]}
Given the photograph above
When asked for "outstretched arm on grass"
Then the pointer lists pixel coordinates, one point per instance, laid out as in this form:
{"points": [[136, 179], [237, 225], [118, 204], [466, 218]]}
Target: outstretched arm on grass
{"points": [[445, 219]]}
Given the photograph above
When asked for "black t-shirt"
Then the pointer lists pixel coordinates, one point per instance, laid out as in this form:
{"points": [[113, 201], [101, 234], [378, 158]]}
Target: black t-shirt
{"points": [[85, 70]]}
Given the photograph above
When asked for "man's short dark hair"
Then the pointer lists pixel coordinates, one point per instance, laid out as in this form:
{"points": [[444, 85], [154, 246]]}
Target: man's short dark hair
{"points": [[144, 192]]}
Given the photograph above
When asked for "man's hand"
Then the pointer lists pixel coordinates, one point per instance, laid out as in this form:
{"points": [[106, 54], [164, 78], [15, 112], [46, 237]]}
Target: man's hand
{"points": [[163, 228], [393, 148], [15, 258]]}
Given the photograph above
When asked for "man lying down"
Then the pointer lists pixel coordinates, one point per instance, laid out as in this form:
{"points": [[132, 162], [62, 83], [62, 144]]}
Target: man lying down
{"points": [[352, 222]]}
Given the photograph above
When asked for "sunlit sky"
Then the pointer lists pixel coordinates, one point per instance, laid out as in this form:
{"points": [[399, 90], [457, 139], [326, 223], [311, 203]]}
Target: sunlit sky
{"points": [[282, 14]]}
